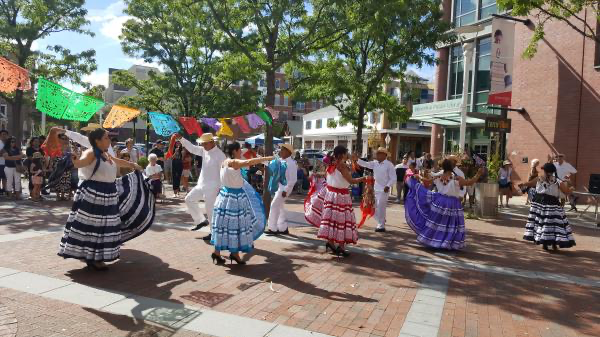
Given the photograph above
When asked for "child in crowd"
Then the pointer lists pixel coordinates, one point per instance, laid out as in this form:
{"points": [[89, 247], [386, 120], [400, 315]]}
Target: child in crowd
{"points": [[187, 170], [154, 172], [36, 175]]}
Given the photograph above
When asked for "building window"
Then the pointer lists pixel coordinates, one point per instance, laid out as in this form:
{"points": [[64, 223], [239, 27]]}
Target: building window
{"points": [[456, 72], [329, 144], [465, 12], [276, 84], [318, 145], [482, 76], [307, 125], [343, 143], [3, 110], [262, 83], [300, 105], [487, 8], [276, 100], [286, 84], [307, 144], [285, 100], [319, 124]]}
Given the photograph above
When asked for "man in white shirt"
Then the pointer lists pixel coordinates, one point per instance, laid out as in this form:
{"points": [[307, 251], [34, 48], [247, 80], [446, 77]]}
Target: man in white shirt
{"points": [[385, 177], [564, 170], [400, 174], [277, 214], [209, 182]]}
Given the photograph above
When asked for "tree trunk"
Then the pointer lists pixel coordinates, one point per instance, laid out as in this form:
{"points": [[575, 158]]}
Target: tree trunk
{"points": [[269, 101], [17, 117], [359, 130]]}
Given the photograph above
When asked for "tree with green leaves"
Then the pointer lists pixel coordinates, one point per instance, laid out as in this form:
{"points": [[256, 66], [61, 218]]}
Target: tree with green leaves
{"points": [[272, 33], [387, 36], [199, 73], [570, 12], [23, 23]]}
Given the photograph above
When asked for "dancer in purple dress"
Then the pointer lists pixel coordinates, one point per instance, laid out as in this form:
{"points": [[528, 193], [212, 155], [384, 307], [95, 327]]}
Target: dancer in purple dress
{"points": [[437, 217]]}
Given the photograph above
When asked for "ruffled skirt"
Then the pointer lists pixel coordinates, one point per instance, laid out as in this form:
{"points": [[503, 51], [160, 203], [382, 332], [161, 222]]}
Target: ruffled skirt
{"points": [[331, 212], [104, 216], [238, 219], [437, 219], [547, 223]]}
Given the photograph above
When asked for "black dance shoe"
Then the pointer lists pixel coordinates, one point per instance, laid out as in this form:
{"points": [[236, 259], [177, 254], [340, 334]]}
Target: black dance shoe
{"points": [[237, 259], [200, 225], [207, 238], [217, 259]]}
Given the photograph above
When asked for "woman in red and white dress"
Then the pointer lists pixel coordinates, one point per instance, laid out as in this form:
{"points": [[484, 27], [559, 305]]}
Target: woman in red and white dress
{"points": [[331, 211]]}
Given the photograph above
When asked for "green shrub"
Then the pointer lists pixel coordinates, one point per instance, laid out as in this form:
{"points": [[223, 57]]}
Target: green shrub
{"points": [[143, 162], [493, 166]]}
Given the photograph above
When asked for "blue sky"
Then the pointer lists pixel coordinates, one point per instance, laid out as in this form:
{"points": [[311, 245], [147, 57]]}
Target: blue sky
{"points": [[106, 19]]}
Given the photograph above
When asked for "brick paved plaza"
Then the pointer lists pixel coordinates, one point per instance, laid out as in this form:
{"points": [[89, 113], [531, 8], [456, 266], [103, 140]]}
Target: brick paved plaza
{"points": [[165, 284]]}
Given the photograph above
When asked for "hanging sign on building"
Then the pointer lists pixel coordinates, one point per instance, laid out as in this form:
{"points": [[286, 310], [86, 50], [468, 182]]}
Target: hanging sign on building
{"points": [[501, 64], [496, 124]]}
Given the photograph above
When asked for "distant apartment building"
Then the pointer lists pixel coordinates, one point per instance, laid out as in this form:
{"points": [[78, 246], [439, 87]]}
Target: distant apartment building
{"points": [[114, 92], [323, 129]]}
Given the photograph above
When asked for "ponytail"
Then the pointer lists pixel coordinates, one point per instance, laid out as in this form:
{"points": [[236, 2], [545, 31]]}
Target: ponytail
{"points": [[93, 137]]}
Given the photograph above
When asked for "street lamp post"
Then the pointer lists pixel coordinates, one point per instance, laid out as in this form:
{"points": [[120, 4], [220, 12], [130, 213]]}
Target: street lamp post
{"points": [[468, 61], [468, 56]]}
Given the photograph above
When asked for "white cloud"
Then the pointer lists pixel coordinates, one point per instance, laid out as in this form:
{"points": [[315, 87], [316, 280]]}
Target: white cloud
{"points": [[97, 78], [111, 19], [141, 62]]}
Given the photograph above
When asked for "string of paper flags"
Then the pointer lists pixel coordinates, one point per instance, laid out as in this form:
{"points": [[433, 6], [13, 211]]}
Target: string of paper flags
{"points": [[62, 103]]}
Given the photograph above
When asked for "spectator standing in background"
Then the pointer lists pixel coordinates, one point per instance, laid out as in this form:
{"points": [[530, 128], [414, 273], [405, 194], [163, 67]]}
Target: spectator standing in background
{"points": [[400, 173]]}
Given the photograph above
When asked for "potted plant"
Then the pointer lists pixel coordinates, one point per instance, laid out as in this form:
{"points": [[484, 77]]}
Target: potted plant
{"points": [[486, 193]]}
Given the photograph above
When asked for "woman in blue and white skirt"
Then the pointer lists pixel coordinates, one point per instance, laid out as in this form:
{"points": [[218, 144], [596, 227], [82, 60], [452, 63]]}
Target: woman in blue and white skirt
{"points": [[106, 211], [239, 214], [547, 224]]}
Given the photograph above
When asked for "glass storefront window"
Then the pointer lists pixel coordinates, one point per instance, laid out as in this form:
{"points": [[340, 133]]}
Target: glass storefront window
{"points": [[456, 72]]}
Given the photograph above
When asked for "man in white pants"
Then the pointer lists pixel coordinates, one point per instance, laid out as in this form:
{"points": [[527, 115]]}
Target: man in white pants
{"points": [[277, 214], [209, 182], [385, 177]]}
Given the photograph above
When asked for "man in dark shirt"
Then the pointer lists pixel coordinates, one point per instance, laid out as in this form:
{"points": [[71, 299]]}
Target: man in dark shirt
{"points": [[158, 151]]}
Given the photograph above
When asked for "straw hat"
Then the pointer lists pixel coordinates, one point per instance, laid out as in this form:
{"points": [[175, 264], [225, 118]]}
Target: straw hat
{"points": [[91, 127], [206, 138], [287, 147], [384, 150], [506, 162], [453, 158], [37, 155]]}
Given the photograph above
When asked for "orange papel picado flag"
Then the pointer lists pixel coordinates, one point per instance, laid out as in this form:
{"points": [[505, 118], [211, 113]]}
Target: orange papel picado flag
{"points": [[119, 115]]}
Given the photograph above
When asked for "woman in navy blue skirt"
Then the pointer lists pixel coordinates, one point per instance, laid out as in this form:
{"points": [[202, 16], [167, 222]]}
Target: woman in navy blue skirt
{"points": [[106, 211]]}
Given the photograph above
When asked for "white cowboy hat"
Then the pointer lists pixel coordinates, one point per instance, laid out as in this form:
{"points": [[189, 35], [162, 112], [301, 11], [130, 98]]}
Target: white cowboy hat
{"points": [[91, 127], [506, 162], [206, 138], [287, 147]]}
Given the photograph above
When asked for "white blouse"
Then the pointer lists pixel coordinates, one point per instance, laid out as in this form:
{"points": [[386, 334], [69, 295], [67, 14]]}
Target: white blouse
{"points": [[231, 177], [337, 180], [107, 171], [451, 188]]}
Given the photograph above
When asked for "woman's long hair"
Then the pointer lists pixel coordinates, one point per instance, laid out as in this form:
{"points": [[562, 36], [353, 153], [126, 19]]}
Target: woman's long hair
{"points": [[550, 171], [93, 137]]}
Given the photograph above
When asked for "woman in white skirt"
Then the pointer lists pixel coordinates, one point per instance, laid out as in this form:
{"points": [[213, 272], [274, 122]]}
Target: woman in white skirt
{"points": [[106, 211], [547, 224], [239, 214]]}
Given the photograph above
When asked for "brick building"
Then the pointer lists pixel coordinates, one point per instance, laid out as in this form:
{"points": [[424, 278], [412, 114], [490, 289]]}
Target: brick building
{"points": [[559, 89]]}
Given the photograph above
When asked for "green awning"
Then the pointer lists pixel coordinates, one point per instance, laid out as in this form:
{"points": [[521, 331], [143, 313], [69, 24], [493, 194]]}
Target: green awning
{"points": [[446, 113]]}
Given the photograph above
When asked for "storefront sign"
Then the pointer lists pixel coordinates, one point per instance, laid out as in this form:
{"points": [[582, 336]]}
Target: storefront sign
{"points": [[501, 65], [495, 124], [451, 105]]}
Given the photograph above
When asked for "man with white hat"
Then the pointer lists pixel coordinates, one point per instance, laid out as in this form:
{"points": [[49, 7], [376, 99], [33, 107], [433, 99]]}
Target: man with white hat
{"points": [[209, 182], [277, 214], [385, 177]]}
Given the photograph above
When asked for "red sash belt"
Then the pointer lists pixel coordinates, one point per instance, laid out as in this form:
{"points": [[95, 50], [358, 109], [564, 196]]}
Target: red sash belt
{"points": [[338, 190]]}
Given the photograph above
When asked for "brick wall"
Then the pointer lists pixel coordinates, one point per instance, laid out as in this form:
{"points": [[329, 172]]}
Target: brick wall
{"points": [[560, 89]]}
